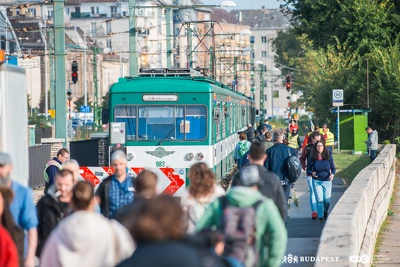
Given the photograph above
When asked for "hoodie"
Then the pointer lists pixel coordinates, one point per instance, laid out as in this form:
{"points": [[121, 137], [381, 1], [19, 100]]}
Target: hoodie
{"points": [[86, 238], [268, 223], [372, 141]]}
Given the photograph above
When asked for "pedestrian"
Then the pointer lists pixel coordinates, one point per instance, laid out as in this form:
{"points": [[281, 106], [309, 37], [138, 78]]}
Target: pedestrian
{"points": [[276, 159], [268, 140], [22, 208], [294, 140], [12, 230], [249, 132], [54, 207], [305, 159], [86, 238], [53, 166], [115, 191], [261, 136], [201, 192], [145, 188], [241, 151], [292, 126], [270, 184], [322, 169], [372, 142], [159, 232], [266, 124], [73, 166], [247, 219], [328, 137]]}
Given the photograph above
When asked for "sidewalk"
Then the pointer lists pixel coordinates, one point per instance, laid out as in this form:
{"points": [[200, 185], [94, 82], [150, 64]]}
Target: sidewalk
{"points": [[304, 233], [388, 254]]}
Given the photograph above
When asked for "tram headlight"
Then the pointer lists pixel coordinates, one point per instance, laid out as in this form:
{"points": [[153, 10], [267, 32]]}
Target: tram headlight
{"points": [[189, 156], [199, 156], [129, 157]]}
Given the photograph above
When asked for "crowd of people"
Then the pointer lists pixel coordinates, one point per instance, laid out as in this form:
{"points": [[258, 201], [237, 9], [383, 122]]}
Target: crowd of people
{"points": [[126, 223]]}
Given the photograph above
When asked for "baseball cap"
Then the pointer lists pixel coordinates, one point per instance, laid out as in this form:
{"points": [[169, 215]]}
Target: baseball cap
{"points": [[249, 176], [325, 125], [5, 159]]}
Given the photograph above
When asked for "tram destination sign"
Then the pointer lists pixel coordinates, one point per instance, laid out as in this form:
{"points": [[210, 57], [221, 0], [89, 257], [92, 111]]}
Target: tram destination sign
{"points": [[160, 98]]}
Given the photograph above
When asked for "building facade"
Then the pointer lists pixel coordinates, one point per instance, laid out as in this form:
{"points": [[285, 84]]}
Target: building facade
{"points": [[265, 25]]}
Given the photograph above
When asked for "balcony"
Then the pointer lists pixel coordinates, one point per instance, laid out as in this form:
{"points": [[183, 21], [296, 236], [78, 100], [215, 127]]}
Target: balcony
{"points": [[79, 15]]}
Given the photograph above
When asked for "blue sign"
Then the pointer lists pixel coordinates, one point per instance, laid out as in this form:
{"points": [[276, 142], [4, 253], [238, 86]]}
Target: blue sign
{"points": [[12, 60], [85, 109]]}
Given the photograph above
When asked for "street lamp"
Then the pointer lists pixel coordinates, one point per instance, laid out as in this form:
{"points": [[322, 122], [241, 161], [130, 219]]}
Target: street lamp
{"points": [[261, 65]]}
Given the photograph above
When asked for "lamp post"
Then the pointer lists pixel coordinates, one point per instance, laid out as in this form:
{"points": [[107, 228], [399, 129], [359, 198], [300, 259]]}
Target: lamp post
{"points": [[261, 70]]}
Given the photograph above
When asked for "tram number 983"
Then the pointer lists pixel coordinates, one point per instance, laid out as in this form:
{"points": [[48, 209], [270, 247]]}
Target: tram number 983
{"points": [[160, 164]]}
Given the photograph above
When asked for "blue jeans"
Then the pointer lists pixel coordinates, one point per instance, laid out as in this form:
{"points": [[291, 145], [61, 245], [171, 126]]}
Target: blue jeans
{"points": [[372, 154], [313, 202], [323, 192]]}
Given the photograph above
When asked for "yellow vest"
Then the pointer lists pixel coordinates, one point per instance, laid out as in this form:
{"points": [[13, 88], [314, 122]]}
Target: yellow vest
{"points": [[293, 141], [330, 138]]}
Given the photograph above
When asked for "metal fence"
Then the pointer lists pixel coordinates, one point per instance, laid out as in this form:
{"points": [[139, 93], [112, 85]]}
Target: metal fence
{"points": [[38, 157]]}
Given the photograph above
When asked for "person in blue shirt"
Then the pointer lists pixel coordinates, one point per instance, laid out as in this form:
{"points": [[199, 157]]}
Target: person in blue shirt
{"points": [[322, 169], [22, 208], [116, 191], [52, 167]]}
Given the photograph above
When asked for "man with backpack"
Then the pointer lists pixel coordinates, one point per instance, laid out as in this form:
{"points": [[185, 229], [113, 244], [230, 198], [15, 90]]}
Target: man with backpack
{"points": [[270, 184], [279, 157], [246, 218]]}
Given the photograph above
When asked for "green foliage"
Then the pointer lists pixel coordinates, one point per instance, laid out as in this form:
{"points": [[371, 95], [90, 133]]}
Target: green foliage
{"points": [[386, 142], [105, 101], [38, 121]]}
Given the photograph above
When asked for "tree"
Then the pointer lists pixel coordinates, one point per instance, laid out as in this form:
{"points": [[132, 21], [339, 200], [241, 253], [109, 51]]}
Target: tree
{"points": [[42, 103], [358, 24], [288, 49], [105, 101]]}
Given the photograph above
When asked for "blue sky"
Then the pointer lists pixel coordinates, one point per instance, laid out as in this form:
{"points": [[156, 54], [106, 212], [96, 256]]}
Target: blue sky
{"points": [[248, 4]]}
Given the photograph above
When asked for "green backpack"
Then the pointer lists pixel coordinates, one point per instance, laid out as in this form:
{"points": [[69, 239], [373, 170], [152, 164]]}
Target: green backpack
{"points": [[243, 149]]}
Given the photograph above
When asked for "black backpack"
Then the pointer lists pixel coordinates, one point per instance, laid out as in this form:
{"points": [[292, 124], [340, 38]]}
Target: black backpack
{"points": [[293, 167]]}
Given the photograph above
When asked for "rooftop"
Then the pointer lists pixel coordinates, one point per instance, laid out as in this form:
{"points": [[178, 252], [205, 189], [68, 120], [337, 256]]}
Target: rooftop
{"points": [[223, 16], [263, 18]]}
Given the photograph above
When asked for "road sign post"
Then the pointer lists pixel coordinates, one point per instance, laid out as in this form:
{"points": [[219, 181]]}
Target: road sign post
{"points": [[337, 101]]}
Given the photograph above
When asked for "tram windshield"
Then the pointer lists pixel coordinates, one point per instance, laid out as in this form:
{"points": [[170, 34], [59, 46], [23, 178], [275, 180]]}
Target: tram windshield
{"points": [[163, 122]]}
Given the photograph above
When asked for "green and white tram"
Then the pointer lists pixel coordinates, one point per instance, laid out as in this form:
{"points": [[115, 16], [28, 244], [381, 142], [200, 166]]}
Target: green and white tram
{"points": [[170, 119]]}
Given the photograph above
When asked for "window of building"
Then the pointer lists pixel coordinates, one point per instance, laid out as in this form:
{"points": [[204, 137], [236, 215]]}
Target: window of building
{"points": [[263, 54], [252, 39], [67, 10], [92, 10], [33, 11], [265, 98], [124, 13], [265, 83], [108, 27], [113, 11], [109, 45], [93, 29], [276, 93], [50, 13], [264, 39], [97, 10], [252, 55]]}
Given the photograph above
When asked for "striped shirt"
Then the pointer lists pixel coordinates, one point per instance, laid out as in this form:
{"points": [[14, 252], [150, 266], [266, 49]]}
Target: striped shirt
{"points": [[121, 194]]}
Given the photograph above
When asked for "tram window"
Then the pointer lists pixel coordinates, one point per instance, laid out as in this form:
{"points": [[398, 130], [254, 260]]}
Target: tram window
{"points": [[158, 123], [196, 122], [127, 114]]}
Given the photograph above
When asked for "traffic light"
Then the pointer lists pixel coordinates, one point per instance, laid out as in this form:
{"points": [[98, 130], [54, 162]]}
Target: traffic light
{"points": [[288, 82], [69, 92], [74, 72]]}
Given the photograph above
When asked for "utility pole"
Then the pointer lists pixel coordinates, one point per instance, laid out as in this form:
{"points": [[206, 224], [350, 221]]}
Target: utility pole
{"points": [[59, 56], [168, 33], [262, 92], [235, 73], [51, 63], [46, 98], [85, 77], [96, 109], [133, 61]]}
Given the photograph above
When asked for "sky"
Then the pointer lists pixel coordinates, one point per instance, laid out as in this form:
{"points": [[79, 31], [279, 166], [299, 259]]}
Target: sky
{"points": [[248, 4]]}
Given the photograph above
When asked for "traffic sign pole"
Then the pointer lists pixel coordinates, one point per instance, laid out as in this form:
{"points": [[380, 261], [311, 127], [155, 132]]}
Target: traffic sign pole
{"points": [[337, 101], [338, 127]]}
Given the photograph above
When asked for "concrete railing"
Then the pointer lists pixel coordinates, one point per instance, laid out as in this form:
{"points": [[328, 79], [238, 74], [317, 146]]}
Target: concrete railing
{"points": [[349, 236]]}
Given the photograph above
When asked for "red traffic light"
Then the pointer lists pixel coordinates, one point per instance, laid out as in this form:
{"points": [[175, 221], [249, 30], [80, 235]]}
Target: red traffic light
{"points": [[288, 82], [74, 74], [74, 77]]}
